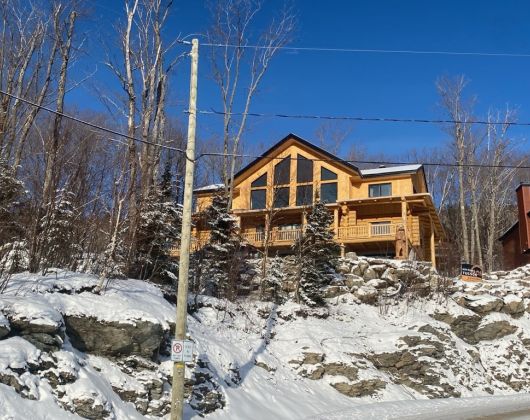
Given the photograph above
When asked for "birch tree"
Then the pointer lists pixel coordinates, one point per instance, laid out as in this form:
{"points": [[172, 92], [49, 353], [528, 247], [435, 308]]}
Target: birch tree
{"points": [[239, 62]]}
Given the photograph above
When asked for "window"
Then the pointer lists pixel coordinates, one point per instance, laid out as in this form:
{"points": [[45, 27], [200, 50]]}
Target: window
{"points": [[281, 197], [282, 172], [328, 192], [258, 199], [304, 169], [380, 190], [304, 195], [327, 175], [260, 182]]}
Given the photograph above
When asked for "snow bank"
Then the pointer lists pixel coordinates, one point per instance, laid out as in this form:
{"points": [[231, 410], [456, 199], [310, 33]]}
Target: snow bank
{"points": [[124, 301], [441, 409]]}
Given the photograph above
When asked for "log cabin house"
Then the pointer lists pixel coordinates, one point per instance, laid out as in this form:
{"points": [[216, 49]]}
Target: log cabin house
{"points": [[385, 211]]}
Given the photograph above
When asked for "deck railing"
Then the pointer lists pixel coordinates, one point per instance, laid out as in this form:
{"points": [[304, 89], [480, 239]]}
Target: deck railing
{"points": [[382, 231], [378, 230], [275, 236]]}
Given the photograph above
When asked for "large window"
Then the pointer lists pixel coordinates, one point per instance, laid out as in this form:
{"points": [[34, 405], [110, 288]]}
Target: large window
{"points": [[281, 197], [304, 169], [380, 190], [304, 195], [258, 199], [328, 192], [282, 172], [258, 193]]}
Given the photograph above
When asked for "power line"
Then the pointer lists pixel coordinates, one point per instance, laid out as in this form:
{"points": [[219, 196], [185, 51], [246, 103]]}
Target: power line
{"points": [[364, 50], [338, 160], [363, 119], [92, 125], [368, 162]]}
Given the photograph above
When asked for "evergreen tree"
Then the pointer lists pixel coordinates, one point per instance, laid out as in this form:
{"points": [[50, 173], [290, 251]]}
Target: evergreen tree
{"points": [[58, 243], [221, 257], [11, 191], [272, 283], [158, 230], [315, 252]]}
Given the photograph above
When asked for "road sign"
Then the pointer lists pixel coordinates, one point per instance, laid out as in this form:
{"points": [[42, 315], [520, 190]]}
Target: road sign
{"points": [[182, 350]]}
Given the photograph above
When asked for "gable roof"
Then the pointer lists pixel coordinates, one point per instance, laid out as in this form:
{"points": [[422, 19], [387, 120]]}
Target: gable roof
{"points": [[304, 142]]}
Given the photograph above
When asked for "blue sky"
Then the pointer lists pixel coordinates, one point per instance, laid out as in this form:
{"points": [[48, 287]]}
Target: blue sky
{"points": [[360, 84]]}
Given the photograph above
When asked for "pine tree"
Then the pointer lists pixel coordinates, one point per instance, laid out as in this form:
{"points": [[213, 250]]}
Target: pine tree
{"points": [[222, 261], [272, 283], [58, 243], [158, 230], [315, 252], [11, 191]]}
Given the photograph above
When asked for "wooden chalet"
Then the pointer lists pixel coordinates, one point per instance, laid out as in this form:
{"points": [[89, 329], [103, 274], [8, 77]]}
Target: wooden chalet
{"points": [[386, 211]]}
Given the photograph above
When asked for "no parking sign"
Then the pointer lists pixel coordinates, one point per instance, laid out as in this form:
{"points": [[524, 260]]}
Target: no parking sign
{"points": [[182, 350]]}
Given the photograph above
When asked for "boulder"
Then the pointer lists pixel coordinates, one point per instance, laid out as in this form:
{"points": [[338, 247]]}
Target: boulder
{"points": [[377, 283], [369, 274], [4, 326], [351, 280], [343, 268], [88, 334], [37, 322], [334, 291], [361, 388], [351, 256], [311, 358], [389, 276], [482, 304], [464, 326], [360, 268], [332, 369], [513, 305], [491, 330], [367, 294]]}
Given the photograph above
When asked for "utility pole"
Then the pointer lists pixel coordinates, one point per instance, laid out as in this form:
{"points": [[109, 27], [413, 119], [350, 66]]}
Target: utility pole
{"points": [[177, 391]]}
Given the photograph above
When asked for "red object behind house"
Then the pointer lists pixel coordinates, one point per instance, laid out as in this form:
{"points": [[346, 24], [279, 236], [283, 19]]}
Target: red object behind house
{"points": [[516, 240]]}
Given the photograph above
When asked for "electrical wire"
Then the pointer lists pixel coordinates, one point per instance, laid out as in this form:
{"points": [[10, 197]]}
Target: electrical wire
{"points": [[365, 119], [214, 154], [368, 162], [89, 124], [363, 50]]}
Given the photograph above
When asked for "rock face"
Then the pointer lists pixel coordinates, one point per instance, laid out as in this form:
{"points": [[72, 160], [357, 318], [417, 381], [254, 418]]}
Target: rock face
{"points": [[359, 389], [112, 338]]}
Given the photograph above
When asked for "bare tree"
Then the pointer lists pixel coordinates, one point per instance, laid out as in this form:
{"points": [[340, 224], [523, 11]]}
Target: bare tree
{"points": [[451, 94], [332, 134], [239, 67]]}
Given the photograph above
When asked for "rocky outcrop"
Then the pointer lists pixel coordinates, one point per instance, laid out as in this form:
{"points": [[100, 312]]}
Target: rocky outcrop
{"points": [[4, 326], [361, 388], [114, 339]]}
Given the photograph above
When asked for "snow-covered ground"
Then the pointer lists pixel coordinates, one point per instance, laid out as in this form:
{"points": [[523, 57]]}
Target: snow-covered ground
{"points": [[261, 361]]}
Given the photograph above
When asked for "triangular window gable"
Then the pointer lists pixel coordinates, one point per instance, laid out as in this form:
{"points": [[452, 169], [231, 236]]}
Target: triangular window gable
{"points": [[327, 175]]}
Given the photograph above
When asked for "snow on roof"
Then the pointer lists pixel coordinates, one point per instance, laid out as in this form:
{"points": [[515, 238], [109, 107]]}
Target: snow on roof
{"points": [[391, 169], [211, 187]]}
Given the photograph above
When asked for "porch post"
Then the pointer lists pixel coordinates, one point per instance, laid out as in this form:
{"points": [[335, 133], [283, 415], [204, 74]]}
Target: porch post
{"points": [[433, 249], [404, 220]]}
